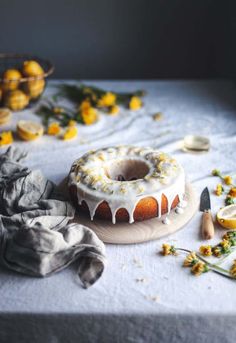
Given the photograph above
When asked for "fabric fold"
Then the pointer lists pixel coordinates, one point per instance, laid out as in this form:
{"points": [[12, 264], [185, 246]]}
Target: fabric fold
{"points": [[35, 234]]}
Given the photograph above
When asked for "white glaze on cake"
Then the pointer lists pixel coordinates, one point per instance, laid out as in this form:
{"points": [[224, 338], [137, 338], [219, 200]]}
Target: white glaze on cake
{"points": [[91, 176]]}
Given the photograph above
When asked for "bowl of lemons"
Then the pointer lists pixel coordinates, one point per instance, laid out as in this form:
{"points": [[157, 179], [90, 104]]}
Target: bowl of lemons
{"points": [[22, 80]]}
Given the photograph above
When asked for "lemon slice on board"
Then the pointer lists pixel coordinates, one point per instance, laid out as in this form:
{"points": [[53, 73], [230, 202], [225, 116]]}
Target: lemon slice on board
{"points": [[29, 130], [226, 216], [5, 115]]}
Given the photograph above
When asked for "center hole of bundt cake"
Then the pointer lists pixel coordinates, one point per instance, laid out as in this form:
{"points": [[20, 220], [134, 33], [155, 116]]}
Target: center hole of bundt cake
{"points": [[127, 170]]}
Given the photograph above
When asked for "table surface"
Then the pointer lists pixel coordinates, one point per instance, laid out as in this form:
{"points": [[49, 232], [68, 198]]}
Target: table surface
{"points": [[202, 107]]}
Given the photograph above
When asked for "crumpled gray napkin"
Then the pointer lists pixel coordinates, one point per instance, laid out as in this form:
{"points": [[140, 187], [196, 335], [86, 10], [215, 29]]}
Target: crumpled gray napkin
{"points": [[35, 237]]}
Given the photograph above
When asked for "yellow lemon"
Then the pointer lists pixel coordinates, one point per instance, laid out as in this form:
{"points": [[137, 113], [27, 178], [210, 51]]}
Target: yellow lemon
{"points": [[32, 68], [29, 130], [226, 216], [5, 115], [35, 88], [16, 100], [12, 76]]}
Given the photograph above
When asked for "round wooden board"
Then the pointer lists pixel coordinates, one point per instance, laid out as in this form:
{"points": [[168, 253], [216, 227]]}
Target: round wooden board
{"points": [[147, 230]]}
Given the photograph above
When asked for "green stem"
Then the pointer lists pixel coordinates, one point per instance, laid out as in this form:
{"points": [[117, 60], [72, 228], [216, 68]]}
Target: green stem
{"points": [[213, 267]]}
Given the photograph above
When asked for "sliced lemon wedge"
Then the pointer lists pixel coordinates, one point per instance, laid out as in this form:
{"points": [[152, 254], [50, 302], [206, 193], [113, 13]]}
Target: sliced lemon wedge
{"points": [[5, 115], [29, 130], [226, 216]]}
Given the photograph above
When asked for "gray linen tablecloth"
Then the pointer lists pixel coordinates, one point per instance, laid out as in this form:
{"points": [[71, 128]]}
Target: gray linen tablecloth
{"points": [[172, 305]]}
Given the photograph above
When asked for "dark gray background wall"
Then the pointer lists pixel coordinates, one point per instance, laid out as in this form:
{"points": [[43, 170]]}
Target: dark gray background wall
{"points": [[124, 38]]}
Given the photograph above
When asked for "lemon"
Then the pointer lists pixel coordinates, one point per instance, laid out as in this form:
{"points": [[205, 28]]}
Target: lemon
{"points": [[226, 216], [32, 68], [5, 115], [29, 130], [35, 88], [16, 100], [12, 76]]}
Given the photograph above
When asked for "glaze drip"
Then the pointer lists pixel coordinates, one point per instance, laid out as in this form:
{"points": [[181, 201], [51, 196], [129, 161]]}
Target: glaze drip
{"points": [[160, 174]]}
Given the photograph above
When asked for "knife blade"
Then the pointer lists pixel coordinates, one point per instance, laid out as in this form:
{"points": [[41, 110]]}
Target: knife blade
{"points": [[205, 201], [207, 227]]}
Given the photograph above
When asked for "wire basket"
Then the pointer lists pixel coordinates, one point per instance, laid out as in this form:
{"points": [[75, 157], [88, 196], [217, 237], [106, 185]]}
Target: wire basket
{"points": [[21, 92]]}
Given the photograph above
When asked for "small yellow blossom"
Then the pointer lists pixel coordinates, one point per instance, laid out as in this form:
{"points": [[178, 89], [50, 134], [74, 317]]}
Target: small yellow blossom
{"points": [[199, 268], [233, 269], [168, 250], [205, 250], [54, 129], [228, 180], [70, 132], [190, 260], [229, 235], [217, 252], [6, 138], [232, 192], [135, 103], [89, 116], [85, 105], [114, 110], [58, 110], [225, 244], [72, 123], [215, 172], [87, 90], [219, 189], [108, 99]]}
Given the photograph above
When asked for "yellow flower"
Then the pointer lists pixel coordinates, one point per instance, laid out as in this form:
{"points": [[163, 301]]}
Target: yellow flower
{"points": [[6, 138], [53, 129], [215, 172], [108, 99], [87, 90], [217, 251], [219, 189], [58, 110], [228, 180], [72, 123], [233, 269], [229, 235], [85, 105], [205, 250], [190, 260], [168, 250], [225, 244], [89, 116], [232, 192], [199, 268], [135, 103], [114, 110], [70, 132]]}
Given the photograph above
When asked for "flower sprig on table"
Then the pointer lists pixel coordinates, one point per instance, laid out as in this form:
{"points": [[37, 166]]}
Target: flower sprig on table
{"points": [[87, 100], [229, 189], [197, 260]]}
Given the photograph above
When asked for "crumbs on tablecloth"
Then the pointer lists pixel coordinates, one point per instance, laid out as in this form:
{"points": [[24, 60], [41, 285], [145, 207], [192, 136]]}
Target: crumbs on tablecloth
{"points": [[123, 266], [137, 262], [157, 116], [141, 280], [154, 298]]}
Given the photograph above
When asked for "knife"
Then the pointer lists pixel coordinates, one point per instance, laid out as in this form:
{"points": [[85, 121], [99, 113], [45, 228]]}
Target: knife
{"points": [[207, 228]]}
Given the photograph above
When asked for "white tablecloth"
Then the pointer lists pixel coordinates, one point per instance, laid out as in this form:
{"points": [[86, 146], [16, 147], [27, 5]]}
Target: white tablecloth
{"points": [[172, 305]]}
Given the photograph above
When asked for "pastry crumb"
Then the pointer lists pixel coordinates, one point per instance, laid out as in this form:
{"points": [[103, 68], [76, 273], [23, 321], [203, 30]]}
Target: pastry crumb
{"points": [[154, 298], [137, 262], [157, 116], [141, 280], [123, 266]]}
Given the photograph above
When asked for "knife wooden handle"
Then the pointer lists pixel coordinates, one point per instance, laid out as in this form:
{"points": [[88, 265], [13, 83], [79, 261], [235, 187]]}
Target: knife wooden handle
{"points": [[208, 229]]}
